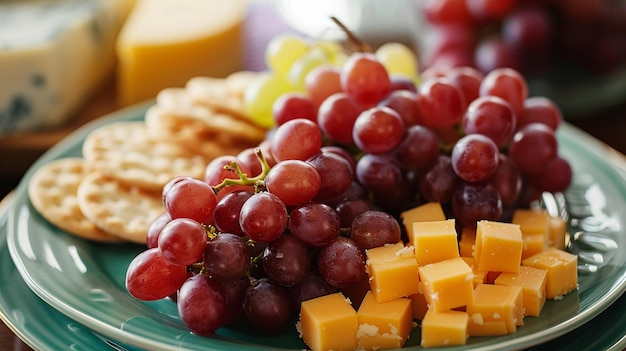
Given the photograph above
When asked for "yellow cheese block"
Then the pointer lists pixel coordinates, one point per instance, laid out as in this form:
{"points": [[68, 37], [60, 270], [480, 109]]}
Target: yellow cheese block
{"points": [[445, 328], [164, 43], [435, 241], [531, 221], [533, 283], [383, 325], [419, 306], [430, 211], [393, 271], [498, 246], [447, 284], [328, 323], [479, 277], [533, 243], [467, 242], [557, 233], [502, 305], [562, 271]]}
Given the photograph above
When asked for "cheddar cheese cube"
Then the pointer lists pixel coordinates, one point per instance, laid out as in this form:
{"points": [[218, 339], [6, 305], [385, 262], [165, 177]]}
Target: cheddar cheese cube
{"points": [[479, 277], [533, 243], [430, 211], [467, 242], [435, 241], [557, 232], [531, 221], [498, 246], [447, 284], [445, 328], [419, 306], [533, 283], [495, 310], [322, 317], [561, 271], [393, 271], [383, 325]]}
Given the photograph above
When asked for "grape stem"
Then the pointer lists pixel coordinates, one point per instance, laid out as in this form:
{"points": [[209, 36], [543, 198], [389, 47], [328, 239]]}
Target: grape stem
{"points": [[361, 46], [258, 181]]}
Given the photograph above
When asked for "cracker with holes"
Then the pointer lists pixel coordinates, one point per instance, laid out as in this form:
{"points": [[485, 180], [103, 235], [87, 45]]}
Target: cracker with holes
{"points": [[122, 210], [53, 193], [190, 133], [214, 93], [126, 151]]}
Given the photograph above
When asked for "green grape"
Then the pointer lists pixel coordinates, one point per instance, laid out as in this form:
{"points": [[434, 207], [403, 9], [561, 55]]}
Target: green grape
{"points": [[333, 51], [398, 59], [282, 51], [305, 64], [260, 96]]}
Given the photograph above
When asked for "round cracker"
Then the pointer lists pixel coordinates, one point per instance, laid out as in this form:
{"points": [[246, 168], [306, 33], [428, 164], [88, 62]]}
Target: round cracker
{"points": [[215, 93], [121, 210], [127, 152], [52, 191]]}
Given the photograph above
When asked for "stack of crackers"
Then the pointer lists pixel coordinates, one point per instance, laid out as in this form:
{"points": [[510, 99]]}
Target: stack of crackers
{"points": [[114, 191]]}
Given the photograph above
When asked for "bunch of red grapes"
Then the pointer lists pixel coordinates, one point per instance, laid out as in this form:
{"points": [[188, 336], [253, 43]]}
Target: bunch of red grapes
{"points": [[292, 219], [529, 36]]}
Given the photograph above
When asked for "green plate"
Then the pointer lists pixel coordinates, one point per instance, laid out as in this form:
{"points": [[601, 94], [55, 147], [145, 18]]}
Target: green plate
{"points": [[85, 281], [39, 325]]}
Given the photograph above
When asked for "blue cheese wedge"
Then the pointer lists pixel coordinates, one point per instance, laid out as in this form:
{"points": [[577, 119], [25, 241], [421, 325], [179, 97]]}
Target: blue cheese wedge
{"points": [[54, 54]]}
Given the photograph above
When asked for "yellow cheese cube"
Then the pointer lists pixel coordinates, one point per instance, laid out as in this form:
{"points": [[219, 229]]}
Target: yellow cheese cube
{"points": [[557, 233], [392, 271], [435, 241], [383, 325], [164, 44], [502, 305], [447, 284], [419, 306], [329, 323], [479, 277], [531, 221], [533, 243], [445, 328], [562, 271], [498, 246], [467, 242], [430, 211], [533, 283]]}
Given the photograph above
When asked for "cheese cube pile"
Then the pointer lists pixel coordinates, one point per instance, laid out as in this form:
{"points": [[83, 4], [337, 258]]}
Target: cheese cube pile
{"points": [[483, 284]]}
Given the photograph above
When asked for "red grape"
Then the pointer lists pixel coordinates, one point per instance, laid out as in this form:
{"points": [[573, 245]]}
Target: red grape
{"points": [[441, 103], [475, 158], [293, 181], [365, 79], [533, 147], [341, 263], [293, 105], [378, 130], [267, 306], [263, 217], [286, 260], [226, 257], [191, 198], [182, 241], [336, 117], [490, 116], [316, 224], [374, 228], [297, 139], [202, 304], [151, 277]]}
